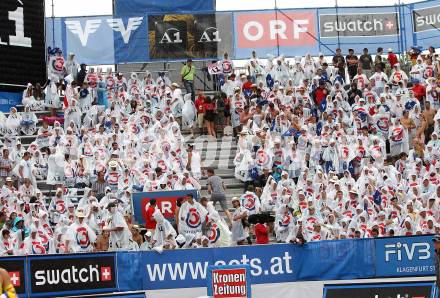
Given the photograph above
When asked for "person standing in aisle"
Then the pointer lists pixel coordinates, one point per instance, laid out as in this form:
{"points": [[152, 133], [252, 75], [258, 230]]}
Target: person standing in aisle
{"points": [[187, 73]]}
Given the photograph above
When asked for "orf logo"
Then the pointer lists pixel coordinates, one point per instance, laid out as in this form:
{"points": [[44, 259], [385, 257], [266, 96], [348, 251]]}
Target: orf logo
{"points": [[383, 124], [58, 63], [263, 30], [262, 158], [214, 233], [82, 237], [248, 202], [397, 135], [193, 219]]}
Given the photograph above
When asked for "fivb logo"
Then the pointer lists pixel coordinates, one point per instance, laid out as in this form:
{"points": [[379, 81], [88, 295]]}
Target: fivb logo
{"points": [[91, 26], [407, 251]]}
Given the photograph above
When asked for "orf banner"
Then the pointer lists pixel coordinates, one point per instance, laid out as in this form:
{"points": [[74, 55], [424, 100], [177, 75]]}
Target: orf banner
{"points": [[180, 36], [414, 290], [166, 202], [72, 274], [404, 256], [16, 270], [292, 32], [229, 281]]}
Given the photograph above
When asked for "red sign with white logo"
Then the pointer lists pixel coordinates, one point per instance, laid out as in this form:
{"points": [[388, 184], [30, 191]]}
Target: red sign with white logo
{"points": [[106, 273], [166, 205], [228, 283], [15, 278], [264, 30]]}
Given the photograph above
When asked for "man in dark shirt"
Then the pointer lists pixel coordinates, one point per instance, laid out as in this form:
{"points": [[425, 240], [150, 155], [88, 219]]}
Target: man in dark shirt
{"points": [[366, 62], [353, 92], [82, 74], [352, 63], [339, 62]]}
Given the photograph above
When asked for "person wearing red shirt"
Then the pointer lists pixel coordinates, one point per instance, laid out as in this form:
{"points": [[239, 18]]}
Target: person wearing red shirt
{"points": [[210, 109], [392, 58], [419, 90], [262, 231], [150, 222], [200, 107], [320, 93], [248, 84]]}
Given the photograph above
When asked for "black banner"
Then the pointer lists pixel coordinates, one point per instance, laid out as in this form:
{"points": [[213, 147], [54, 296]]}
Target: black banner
{"points": [[15, 268], [358, 25], [22, 42], [426, 19], [64, 273], [380, 291], [185, 35]]}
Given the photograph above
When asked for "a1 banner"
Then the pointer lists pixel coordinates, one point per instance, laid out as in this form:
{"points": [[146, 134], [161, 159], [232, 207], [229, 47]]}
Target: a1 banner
{"points": [[166, 202], [410, 290], [16, 270], [180, 36], [232, 281], [72, 274]]}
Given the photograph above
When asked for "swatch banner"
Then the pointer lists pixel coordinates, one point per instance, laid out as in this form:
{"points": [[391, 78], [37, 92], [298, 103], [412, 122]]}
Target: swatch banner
{"points": [[177, 36], [359, 25]]}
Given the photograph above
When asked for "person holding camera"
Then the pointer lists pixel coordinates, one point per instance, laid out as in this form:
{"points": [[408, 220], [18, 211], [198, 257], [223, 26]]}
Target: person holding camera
{"points": [[239, 221]]}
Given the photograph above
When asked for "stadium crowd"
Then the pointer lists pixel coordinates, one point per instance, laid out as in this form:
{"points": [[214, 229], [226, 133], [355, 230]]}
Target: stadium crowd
{"points": [[348, 149]]}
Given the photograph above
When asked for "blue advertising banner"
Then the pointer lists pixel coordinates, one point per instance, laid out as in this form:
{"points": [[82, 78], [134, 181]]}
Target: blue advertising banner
{"points": [[100, 39], [9, 100], [405, 256], [136, 35], [325, 260], [133, 7], [57, 275], [165, 200]]}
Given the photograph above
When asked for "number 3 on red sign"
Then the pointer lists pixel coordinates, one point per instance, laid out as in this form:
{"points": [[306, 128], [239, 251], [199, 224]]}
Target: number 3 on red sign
{"points": [[18, 40]]}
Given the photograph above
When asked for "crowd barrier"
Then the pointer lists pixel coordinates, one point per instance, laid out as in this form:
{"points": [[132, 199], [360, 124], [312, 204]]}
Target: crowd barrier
{"points": [[151, 36], [351, 259]]}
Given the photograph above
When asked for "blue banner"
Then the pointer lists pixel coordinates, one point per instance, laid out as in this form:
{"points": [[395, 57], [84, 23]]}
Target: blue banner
{"points": [[9, 100], [134, 7], [137, 34], [51, 275], [100, 39], [324, 260], [406, 256]]}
